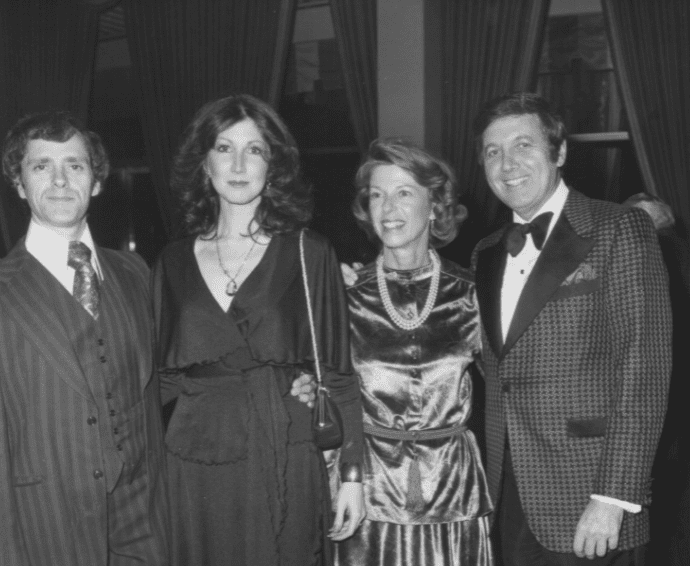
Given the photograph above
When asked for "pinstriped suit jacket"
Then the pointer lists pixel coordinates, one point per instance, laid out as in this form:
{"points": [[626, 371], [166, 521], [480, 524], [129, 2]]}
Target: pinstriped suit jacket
{"points": [[580, 384], [52, 508]]}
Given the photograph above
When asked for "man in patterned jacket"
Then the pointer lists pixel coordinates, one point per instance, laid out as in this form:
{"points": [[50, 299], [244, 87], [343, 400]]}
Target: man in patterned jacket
{"points": [[577, 336]]}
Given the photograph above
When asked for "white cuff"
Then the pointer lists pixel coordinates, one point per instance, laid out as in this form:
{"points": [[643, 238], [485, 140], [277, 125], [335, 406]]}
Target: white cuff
{"points": [[629, 507]]}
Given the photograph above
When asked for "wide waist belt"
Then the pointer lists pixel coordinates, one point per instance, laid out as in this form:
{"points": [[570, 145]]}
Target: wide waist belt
{"points": [[429, 434]]}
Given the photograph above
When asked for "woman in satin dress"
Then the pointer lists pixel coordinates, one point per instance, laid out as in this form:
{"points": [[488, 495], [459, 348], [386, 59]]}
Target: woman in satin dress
{"points": [[247, 484], [415, 333]]}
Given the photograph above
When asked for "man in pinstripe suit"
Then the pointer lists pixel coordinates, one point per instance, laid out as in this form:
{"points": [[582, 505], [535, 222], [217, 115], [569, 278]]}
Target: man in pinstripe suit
{"points": [[81, 464], [577, 332]]}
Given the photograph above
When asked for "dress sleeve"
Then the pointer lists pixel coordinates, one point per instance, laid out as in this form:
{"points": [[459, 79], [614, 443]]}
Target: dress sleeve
{"points": [[169, 380], [475, 338], [331, 317], [344, 389]]}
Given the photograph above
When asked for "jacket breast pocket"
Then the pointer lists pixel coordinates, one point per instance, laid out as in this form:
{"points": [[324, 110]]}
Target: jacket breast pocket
{"points": [[586, 428], [575, 289]]}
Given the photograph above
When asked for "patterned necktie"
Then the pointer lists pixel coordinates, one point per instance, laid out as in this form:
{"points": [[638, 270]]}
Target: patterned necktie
{"points": [[85, 288], [516, 235]]}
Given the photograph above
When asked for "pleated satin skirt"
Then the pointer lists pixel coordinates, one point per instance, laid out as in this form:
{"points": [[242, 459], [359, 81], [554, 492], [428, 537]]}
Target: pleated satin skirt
{"points": [[463, 543]]}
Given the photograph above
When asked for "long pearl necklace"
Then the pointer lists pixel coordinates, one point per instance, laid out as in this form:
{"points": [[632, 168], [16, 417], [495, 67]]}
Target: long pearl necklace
{"points": [[413, 322], [232, 287]]}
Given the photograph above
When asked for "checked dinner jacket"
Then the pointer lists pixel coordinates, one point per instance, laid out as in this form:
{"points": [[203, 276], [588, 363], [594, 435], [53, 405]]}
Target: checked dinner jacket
{"points": [[580, 385], [81, 461]]}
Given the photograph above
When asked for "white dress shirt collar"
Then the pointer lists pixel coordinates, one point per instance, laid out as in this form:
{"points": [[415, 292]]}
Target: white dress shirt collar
{"points": [[51, 249]]}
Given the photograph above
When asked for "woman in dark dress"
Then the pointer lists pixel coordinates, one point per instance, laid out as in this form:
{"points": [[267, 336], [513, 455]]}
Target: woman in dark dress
{"points": [[247, 483], [415, 335]]}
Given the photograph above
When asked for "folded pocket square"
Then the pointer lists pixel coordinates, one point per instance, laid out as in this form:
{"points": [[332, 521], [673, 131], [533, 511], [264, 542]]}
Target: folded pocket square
{"points": [[586, 428], [584, 272], [572, 290]]}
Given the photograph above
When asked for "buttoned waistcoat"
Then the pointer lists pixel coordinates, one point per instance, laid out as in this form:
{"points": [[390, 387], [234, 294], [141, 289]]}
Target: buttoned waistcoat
{"points": [[71, 443], [580, 384]]}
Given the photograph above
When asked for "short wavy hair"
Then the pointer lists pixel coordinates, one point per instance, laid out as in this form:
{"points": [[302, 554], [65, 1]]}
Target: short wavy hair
{"points": [[286, 203], [427, 170], [56, 126], [519, 104]]}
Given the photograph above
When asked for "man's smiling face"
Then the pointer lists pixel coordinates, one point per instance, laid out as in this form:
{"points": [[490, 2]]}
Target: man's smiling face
{"points": [[518, 163]]}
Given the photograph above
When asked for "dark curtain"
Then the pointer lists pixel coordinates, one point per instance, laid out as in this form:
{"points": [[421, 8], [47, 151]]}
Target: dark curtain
{"points": [[651, 48], [490, 48], [47, 53], [187, 52], [355, 31]]}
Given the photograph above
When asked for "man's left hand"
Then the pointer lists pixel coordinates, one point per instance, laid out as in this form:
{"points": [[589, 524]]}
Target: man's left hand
{"points": [[598, 529], [304, 388]]}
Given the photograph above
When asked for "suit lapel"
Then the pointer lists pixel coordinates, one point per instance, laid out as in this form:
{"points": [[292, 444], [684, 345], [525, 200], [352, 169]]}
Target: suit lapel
{"points": [[491, 264], [563, 252], [30, 298]]}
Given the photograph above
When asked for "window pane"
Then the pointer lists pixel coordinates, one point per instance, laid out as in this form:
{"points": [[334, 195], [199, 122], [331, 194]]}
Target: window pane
{"points": [[603, 171], [576, 74]]}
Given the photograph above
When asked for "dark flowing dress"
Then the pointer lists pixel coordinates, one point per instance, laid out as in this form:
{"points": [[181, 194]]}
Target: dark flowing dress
{"points": [[426, 492], [247, 484]]}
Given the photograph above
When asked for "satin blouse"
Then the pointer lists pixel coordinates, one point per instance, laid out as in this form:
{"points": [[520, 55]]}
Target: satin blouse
{"points": [[418, 380]]}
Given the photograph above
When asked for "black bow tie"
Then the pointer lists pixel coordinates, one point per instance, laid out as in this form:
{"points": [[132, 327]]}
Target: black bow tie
{"points": [[516, 234]]}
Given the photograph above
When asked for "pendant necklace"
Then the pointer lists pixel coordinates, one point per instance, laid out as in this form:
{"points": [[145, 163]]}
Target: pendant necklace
{"points": [[232, 286], [417, 321]]}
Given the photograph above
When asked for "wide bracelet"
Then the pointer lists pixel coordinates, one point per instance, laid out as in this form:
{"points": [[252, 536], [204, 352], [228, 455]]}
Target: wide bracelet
{"points": [[351, 473]]}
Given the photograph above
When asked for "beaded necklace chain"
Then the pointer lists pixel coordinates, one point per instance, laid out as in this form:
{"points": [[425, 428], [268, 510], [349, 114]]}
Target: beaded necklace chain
{"points": [[417, 321]]}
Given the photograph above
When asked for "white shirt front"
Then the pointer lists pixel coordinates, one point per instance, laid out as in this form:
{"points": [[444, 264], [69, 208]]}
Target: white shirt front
{"points": [[518, 268], [51, 249]]}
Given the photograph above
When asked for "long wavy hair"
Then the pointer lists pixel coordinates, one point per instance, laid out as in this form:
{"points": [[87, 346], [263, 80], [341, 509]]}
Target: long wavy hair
{"points": [[427, 170], [286, 203]]}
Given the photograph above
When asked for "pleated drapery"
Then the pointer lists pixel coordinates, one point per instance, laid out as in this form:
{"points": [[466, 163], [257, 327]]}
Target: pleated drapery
{"points": [[47, 53], [490, 48], [651, 49], [354, 22], [187, 52]]}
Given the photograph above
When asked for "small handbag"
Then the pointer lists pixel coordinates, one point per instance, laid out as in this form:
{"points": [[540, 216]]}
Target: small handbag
{"points": [[327, 424]]}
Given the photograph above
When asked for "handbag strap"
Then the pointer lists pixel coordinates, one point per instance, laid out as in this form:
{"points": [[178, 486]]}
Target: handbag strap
{"points": [[310, 313]]}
